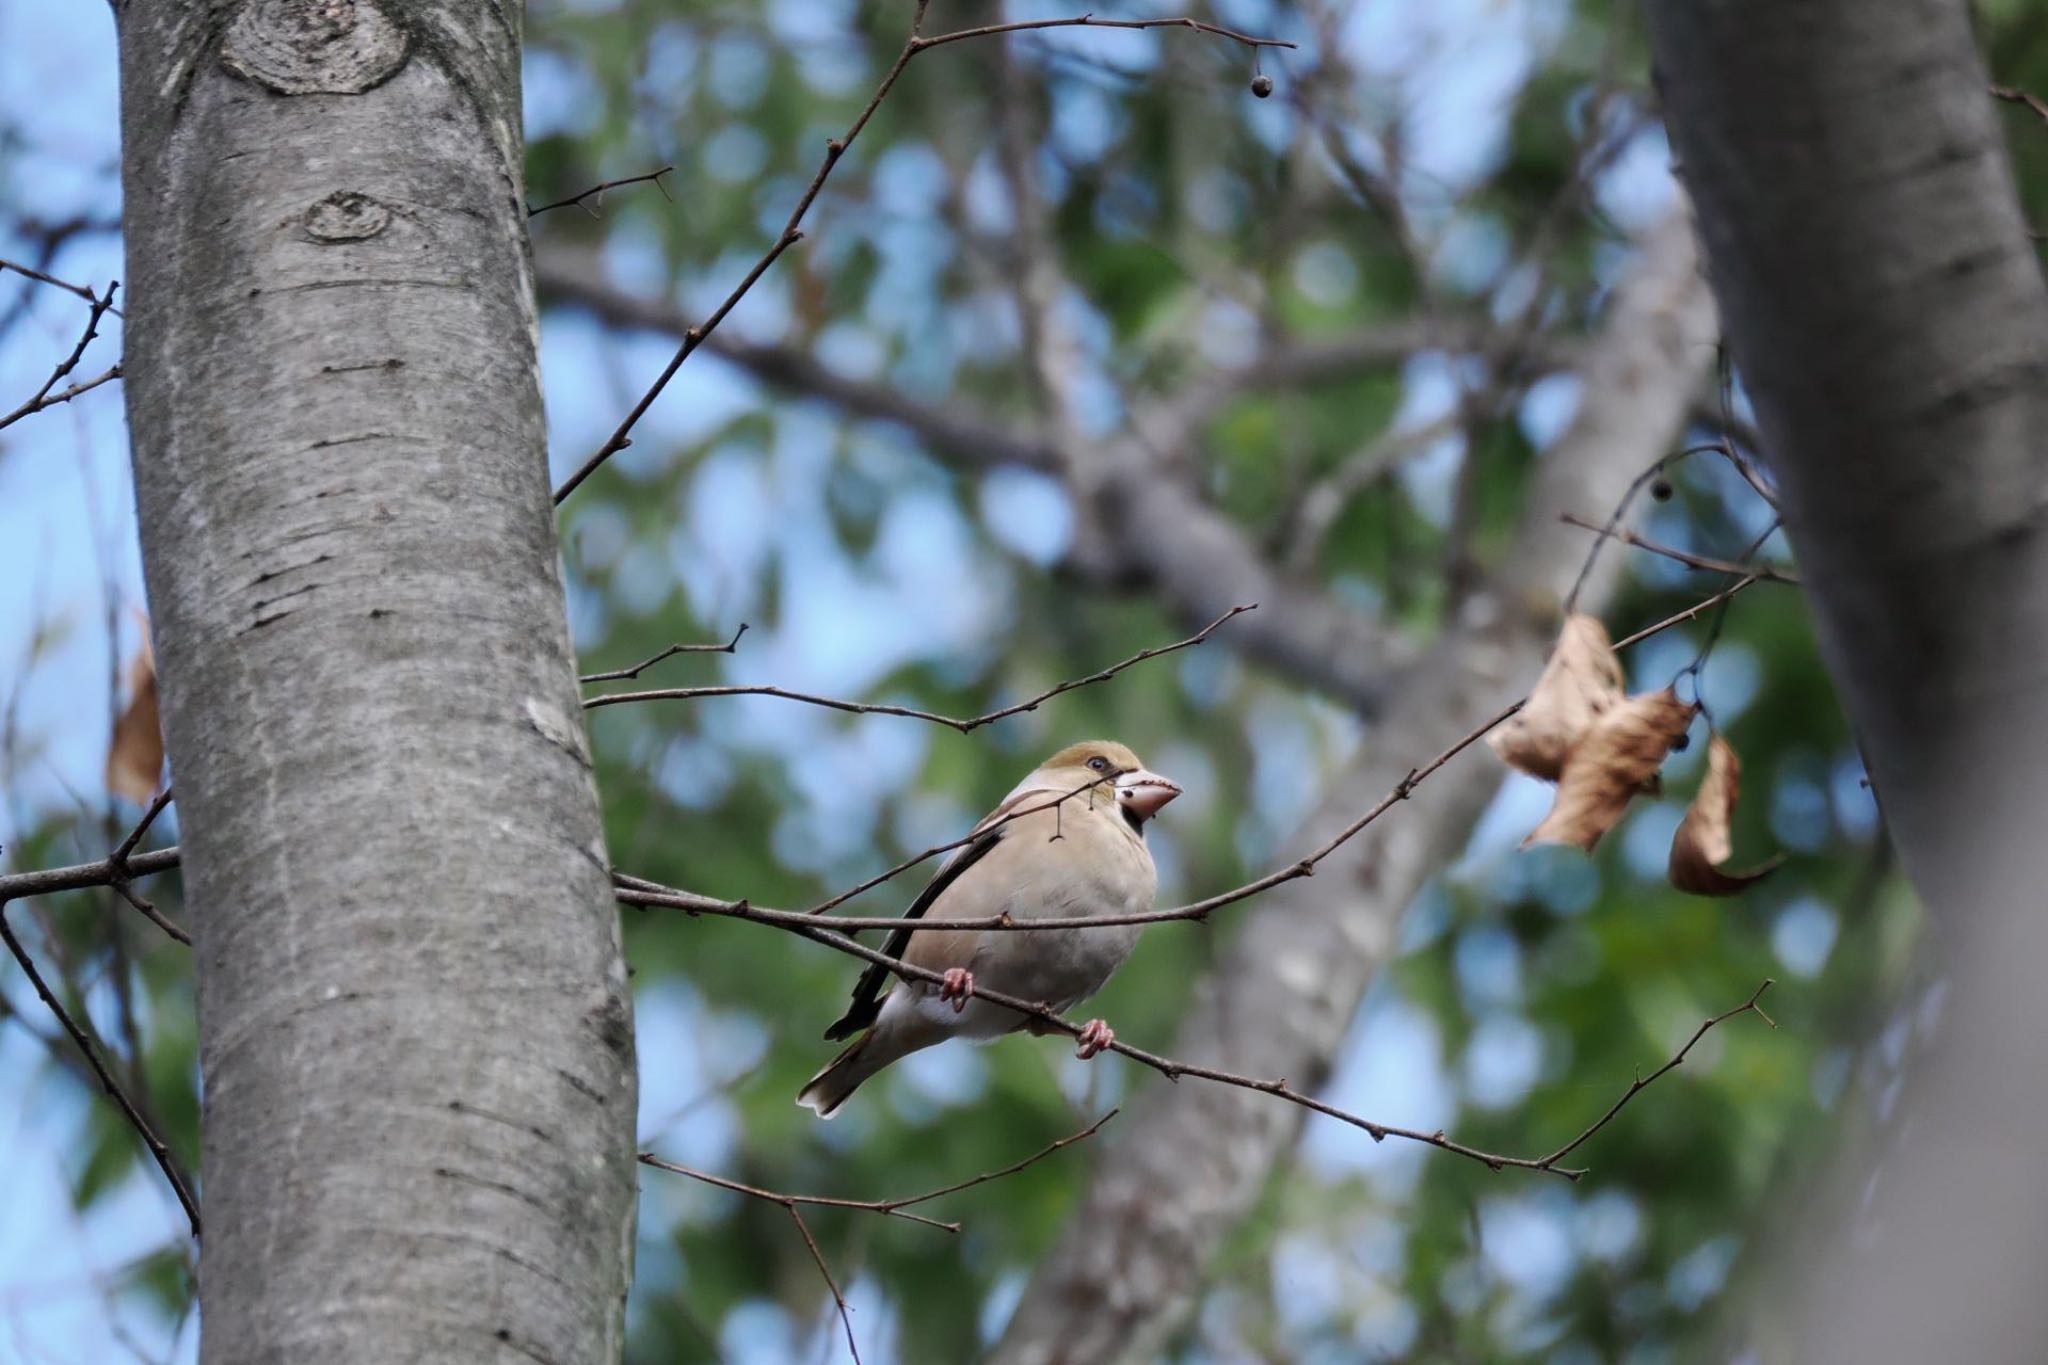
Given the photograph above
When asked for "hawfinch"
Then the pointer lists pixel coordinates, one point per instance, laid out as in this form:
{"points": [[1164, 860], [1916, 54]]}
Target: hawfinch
{"points": [[1073, 857]]}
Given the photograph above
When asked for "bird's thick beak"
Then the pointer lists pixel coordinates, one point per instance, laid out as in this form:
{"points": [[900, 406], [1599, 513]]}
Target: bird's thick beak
{"points": [[1144, 792]]}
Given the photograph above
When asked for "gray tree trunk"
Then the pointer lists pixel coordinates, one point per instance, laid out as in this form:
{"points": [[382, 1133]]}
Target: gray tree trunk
{"points": [[1889, 317], [416, 1040], [1193, 1158]]}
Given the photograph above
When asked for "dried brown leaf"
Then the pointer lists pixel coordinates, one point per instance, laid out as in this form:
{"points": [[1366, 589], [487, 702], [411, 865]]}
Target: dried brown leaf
{"points": [[1582, 682], [1702, 841], [1615, 760], [135, 759]]}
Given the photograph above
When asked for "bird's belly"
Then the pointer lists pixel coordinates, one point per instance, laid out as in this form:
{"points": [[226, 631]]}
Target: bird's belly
{"points": [[1069, 965]]}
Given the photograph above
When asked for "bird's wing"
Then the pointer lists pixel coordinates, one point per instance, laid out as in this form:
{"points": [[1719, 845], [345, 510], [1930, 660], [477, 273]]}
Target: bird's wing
{"points": [[867, 992]]}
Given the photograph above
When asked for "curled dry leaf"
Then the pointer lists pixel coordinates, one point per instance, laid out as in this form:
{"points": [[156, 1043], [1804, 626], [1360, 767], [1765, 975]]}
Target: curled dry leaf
{"points": [[1616, 759], [135, 759], [1702, 841], [1582, 682]]}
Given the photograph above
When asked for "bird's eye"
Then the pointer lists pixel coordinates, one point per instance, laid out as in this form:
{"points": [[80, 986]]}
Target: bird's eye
{"points": [[1099, 764]]}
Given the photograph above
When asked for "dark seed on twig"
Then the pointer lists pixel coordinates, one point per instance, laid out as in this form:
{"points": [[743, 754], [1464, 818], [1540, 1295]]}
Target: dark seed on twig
{"points": [[1262, 86]]}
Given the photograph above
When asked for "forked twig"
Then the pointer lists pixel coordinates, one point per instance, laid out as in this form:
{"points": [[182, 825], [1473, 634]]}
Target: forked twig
{"points": [[731, 646], [893, 1208], [166, 1163], [964, 725], [835, 148], [598, 192]]}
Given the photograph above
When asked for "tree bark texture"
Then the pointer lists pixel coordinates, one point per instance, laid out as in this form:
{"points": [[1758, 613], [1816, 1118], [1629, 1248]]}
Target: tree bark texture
{"points": [[416, 1036], [1888, 314], [1192, 1159]]}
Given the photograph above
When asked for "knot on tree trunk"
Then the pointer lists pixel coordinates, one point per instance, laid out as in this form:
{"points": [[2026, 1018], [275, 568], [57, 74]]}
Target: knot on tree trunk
{"points": [[306, 47]]}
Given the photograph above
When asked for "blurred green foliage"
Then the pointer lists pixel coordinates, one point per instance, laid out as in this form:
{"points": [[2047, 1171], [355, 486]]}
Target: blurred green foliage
{"points": [[1195, 225]]}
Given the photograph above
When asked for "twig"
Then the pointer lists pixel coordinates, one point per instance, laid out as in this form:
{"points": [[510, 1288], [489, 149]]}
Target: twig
{"points": [[637, 891], [1173, 1070], [127, 846], [50, 880], [838, 1299], [1640, 1083], [644, 893], [1196, 910], [887, 1207], [1090, 21], [1731, 433], [598, 190], [43, 397], [964, 725], [835, 148], [786, 1200], [2014, 95], [1699, 660], [67, 286], [1015, 1166], [1628, 496], [164, 1160], [1678, 618], [618, 674], [1762, 573], [64, 395], [118, 870], [980, 831], [126, 890]]}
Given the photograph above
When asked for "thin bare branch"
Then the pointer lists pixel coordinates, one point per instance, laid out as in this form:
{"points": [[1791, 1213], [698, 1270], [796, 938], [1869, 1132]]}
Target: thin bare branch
{"points": [[167, 1163], [615, 675], [1680, 617], [63, 395], [126, 890], [786, 1200], [889, 1207], [1763, 573], [645, 893], [597, 192], [127, 845], [835, 148], [1049, 1021], [44, 398], [964, 725], [838, 1299], [636, 891], [1637, 1086], [49, 881], [67, 286], [2014, 95], [1090, 21], [1611, 531], [1041, 1154]]}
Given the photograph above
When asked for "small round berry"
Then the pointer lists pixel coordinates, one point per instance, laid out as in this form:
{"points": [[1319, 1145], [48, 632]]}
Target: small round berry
{"points": [[1262, 86]]}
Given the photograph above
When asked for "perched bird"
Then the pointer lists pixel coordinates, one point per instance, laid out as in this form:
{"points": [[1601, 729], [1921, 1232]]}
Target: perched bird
{"points": [[1067, 842]]}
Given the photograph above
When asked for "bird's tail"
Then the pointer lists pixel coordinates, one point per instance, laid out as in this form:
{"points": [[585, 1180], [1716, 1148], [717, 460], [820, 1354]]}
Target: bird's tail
{"points": [[827, 1090]]}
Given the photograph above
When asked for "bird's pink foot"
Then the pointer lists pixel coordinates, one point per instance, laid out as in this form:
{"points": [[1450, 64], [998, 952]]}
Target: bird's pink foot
{"points": [[1094, 1037], [956, 986]]}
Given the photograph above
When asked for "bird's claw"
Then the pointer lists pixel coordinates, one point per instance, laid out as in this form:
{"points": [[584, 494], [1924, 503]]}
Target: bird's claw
{"points": [[1095, 1035], [956, 986]]}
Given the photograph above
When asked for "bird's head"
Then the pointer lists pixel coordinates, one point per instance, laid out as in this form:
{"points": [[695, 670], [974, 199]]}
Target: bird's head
{"points": [[1140, 792]]}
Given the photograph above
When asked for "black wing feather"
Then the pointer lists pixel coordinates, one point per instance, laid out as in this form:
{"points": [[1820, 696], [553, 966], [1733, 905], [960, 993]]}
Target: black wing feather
{"points": [[867, 992]]}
